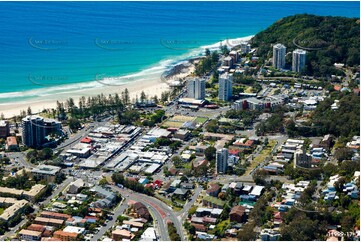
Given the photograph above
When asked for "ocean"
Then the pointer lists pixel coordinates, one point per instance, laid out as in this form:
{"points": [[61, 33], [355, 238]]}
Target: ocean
{"points": [[47, 48]]}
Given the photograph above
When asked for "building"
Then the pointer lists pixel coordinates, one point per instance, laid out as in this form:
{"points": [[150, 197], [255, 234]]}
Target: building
{"points": [[4, 129], [46, 172], [225, 87], [182, 134], [49, 221], [234, 55], [48, 214], [141, 210], [238, 214], [29, 235], [11, 143], [213, 189], [196, 88], [36, 128], [149, 235], [302, 159], [228, 61], [245, 47], [14, 207], [65, 236], [120, 234], [222, 161], [279, 56], [298, 60], [253, 103], [75, 186]]}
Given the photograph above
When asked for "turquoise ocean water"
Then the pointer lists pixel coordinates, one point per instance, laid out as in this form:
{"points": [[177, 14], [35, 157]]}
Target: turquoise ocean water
{"points": [[48, 48]]}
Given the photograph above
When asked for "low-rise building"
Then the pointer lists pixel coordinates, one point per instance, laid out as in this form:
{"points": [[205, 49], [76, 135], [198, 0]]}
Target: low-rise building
{"points": [[65, 236], [11, 143], [48, 214], [238, 214], [149, 235], [46, 172], [29, 235], [75, 186], [49, 221], [182, 134], [15, 207], [120, 234]]}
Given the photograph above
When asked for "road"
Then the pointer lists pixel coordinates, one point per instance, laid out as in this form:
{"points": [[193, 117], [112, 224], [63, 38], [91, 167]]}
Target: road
{"points": [[159, 210], [119, 210], [182, 215], [20, 158]]}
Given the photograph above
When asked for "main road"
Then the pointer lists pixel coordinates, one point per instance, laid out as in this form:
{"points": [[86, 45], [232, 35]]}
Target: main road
{"points": [[161, 212]]}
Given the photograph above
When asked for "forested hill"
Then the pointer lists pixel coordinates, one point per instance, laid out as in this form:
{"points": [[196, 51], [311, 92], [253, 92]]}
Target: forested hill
{"points": [[328, 40]]}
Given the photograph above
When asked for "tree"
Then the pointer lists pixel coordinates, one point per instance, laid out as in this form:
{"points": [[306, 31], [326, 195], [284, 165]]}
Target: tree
{"points": [[343, 154], [45, 154], [247, 232], [177, 161], [210, 153], [260, 176], [29, 112], [143, 97], [301, 228], [207, 52], [74, 124]]}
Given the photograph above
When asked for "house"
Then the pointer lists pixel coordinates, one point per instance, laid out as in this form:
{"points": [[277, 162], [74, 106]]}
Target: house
{"points": [[108, 197], [149, 235], [143, 181], [199, 227], [327, 141], [141, 210], [120, 234], [135, 224], [186, 185], [174, 185], [30, 235], [181, 193], [277, 219], [238, 214], [213, 190], [75, 186], [270, 235]]}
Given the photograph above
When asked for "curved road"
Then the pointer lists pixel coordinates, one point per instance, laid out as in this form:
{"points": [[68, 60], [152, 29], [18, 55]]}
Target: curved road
{"points": [[159, 210]]}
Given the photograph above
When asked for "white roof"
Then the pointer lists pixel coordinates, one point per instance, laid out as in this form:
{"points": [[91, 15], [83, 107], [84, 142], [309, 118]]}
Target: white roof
{"points": [[74, 229], [149, 235], [257, 190]]}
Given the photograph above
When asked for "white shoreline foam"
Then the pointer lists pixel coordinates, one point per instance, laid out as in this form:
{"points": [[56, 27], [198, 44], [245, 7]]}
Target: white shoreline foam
{"points": [[46, 97]]}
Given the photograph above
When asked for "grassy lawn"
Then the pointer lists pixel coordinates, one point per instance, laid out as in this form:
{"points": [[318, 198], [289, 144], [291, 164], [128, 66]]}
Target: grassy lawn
{"points": [[262, 156], [168, 202], [201, 120], [2, 210], [220, 226]]}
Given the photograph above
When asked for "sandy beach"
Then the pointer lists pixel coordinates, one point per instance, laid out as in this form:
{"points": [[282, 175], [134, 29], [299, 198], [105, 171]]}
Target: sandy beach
{"points": [[153, 85]]}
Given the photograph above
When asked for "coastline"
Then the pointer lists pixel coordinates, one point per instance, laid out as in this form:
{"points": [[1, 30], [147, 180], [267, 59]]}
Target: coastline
{"points": [[156, 83]]}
